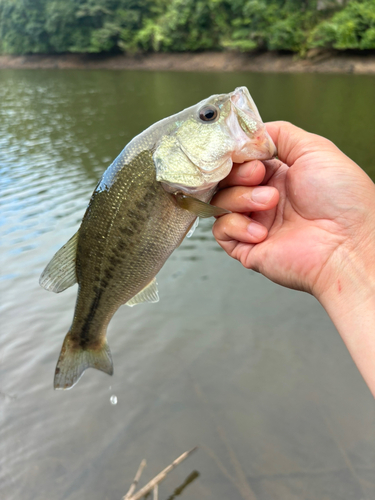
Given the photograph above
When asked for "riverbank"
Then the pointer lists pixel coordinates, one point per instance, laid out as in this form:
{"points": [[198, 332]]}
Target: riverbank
{"points": [[317, 61]]}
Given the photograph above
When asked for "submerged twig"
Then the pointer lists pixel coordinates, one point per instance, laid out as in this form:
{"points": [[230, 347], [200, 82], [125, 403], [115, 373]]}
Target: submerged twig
{"points": [[133, 486], [153, 484], [156, 492], [244, 486], [239, 479]]}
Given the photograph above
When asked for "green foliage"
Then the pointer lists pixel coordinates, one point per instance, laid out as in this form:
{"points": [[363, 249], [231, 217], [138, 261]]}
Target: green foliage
{"points": [[60, 25], [223, 24], [270, 24], [287, 34], [22, 26], [55, 26], [182, 25], [71, 25], [351, 28]]}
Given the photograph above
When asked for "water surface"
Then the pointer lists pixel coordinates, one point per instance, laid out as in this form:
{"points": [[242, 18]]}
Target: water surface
{"points": [[254, 374]]}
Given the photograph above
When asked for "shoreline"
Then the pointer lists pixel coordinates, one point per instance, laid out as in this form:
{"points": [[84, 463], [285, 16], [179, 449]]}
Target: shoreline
{"points": [[316, 62]]}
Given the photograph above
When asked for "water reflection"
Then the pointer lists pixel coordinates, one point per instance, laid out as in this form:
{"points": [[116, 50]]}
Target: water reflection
{"points": [[254, 374]]}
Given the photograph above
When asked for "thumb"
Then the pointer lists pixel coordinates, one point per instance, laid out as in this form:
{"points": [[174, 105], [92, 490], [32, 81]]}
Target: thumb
{"points": [[292, 142]]}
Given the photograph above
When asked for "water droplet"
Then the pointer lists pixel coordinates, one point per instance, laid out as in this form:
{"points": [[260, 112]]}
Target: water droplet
{"points": [[113, 399]]}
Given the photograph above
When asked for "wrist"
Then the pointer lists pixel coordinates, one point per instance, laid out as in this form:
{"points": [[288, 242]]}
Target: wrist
{"points": [[349, 274], [349, 299]]}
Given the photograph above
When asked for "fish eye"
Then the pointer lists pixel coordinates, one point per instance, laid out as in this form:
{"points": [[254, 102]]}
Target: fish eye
{"points": [[208, 113]]}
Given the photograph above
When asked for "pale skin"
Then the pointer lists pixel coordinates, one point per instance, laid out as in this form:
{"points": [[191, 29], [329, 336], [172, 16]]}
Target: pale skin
{"points": [[307, 221]]}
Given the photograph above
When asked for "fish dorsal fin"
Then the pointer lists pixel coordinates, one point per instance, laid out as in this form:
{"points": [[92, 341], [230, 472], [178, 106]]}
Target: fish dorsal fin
{"points": [[198, 207], [148, 294], [60, 273]]}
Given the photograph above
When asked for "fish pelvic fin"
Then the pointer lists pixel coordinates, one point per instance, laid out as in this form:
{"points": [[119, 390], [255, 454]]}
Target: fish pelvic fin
{"points": [[74, 360]]}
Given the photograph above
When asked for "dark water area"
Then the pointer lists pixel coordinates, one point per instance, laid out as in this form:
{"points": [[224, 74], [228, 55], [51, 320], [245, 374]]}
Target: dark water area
{"points": [[254, 374]]}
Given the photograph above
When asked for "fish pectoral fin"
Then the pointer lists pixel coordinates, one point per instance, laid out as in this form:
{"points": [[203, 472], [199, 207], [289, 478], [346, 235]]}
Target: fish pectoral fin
{"points": [[148, 294], [198, 207], [74, 360], [60, 273]]}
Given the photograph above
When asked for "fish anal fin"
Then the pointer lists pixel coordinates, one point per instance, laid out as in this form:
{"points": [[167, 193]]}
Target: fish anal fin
{"points": [[60, 273], [74, 360], [198, 207], [148, 294]]}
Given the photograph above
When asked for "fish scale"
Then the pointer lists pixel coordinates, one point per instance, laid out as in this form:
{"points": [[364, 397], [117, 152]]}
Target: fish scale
{"points": [[140, 239]]}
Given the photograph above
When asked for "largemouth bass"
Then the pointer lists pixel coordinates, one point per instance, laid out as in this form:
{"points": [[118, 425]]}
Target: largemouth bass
{"points": [[140, 211]]}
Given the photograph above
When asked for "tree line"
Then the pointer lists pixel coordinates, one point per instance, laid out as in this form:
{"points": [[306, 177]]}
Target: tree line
{"points": [[57, 26]]}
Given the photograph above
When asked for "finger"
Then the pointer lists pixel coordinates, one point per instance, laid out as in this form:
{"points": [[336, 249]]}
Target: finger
{"points": [[293, 142], [232, 229], [267, 218], [246, 199], [250, 173], [274, 168], [286, 137]]}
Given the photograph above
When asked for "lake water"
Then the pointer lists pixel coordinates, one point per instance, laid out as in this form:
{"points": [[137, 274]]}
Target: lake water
{"points": [[254, 374]]}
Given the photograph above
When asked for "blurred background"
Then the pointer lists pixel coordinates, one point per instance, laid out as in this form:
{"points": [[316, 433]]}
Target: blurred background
{"points": [[254, 374], [102, 26]]}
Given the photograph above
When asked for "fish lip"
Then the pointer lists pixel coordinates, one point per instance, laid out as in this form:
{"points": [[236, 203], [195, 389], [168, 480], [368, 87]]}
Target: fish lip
{"points": [[241, 101], [272, 146]]}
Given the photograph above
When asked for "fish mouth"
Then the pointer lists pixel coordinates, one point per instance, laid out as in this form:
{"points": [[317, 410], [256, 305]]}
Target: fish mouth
{"points": [[249, 132]]}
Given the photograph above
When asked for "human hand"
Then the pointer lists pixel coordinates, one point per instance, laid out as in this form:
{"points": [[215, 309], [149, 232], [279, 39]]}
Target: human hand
{"points": [[320, 238], [325, 215]]}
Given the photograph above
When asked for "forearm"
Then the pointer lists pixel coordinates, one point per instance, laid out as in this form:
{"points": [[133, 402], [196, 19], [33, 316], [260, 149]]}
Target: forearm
{"points": [[349, 300]]}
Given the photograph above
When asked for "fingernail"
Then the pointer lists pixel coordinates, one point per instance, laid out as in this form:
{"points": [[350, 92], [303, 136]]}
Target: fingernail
{"points": [[262, 195], [246, 170], [256, 230]]}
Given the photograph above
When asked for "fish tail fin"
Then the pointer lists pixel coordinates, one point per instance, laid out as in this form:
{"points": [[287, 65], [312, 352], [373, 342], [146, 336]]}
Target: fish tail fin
{"points": [[74, 360]]}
